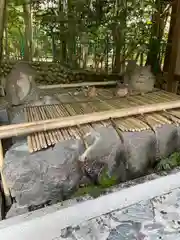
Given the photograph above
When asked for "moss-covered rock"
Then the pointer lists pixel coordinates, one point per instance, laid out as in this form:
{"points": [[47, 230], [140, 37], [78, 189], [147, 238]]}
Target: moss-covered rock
{"points": [[105, 180], [92, 190]]}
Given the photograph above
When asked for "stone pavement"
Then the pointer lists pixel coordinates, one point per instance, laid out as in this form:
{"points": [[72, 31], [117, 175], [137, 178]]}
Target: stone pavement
{"points": [[158, 218]]}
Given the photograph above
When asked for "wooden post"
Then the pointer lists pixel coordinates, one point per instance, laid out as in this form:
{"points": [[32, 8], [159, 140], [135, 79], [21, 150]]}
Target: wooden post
{"points": [[174, 50]]}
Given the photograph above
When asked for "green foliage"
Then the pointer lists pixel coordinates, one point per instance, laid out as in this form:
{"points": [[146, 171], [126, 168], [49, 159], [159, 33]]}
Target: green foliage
{"points": [[91, 190], [113, 29], [105, 180], [169, 163]]}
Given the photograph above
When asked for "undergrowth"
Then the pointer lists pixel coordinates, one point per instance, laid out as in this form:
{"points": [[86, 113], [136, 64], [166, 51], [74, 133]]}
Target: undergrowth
{"points": [[105, 181], [169, 163]]}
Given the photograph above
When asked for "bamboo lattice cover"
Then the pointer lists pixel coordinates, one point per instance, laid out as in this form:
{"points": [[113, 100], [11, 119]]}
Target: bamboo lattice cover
{"points": [[80, 104]]}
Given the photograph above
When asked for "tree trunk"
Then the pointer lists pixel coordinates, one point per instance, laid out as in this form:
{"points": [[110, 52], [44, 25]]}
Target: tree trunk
{"points": [[71, 35], [85, 55], [6, 47], [63, 50], [170, 35], [28, 31], [156, 38], [6, 42], [141, 59], [119, 34], [174, 50], [99, 11], [112, 60], [53, 46], [117, 43], [3, 6], [117, 66], [107, 54], [62, 35]]}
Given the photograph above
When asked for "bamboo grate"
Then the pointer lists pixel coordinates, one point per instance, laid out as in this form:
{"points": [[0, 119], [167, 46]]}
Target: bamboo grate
{"points": [[74, 104]]}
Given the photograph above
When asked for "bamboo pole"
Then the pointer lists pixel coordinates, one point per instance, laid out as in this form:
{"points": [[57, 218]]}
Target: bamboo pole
{"points": [[74, 85], [63, 122]]}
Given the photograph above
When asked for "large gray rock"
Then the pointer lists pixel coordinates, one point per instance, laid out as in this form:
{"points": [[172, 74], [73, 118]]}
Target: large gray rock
{"points": [[52, 174], [167, 139], [122, 159], [17, 115], [46, 175], [128, 159], [16, 210], [105, 151], [139, 78], [140, 152], [146, 147], [20, 85], [178, 142], [21, 88]]}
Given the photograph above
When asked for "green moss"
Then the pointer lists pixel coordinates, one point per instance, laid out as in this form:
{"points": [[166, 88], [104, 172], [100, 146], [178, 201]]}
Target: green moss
{"points": [[92, 190], [169, 163], [106, 181]]}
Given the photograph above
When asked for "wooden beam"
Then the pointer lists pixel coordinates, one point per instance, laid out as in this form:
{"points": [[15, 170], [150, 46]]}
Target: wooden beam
{"points": [[45, 125], [74, 85], [174, 50]]}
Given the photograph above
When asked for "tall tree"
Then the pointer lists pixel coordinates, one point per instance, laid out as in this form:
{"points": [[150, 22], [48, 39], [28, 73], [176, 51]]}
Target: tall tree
{"points": [[170, 36], [88, 32], [62, 32], [3, 6], [28, 50], [157, 31], [118, 33]]}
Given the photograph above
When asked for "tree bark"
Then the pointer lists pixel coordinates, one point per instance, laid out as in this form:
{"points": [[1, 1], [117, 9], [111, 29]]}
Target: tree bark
{"points": [[62, 35], [53, 46], [174, 50], [6, 41], [170, 35], [3, 6], [117, 61], [71, 35], [28, 31], [153, 58], [119, 35], [107, 54]]}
